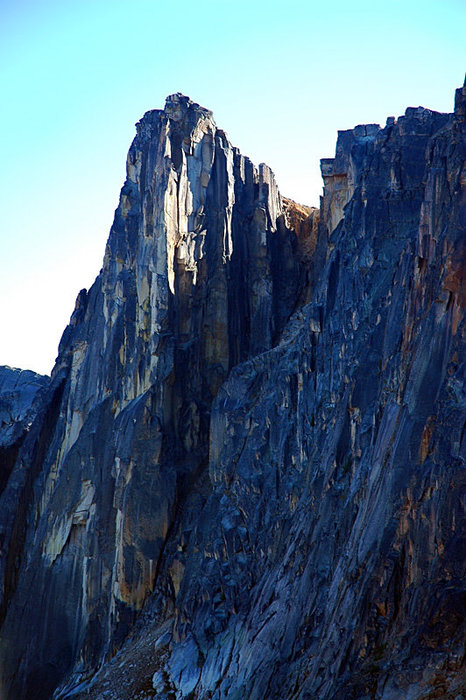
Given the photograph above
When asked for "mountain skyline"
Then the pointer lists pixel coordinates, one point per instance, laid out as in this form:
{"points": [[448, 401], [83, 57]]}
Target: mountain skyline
{"points": [[77, 76]]}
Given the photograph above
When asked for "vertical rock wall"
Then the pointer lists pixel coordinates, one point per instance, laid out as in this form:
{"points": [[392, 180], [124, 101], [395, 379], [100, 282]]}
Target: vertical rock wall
{"points": [[328, 560], [276, 490], [201, 271]]}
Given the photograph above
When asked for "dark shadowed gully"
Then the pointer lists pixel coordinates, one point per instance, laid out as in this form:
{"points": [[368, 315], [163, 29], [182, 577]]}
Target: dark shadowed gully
{"points": [[246, 476]]}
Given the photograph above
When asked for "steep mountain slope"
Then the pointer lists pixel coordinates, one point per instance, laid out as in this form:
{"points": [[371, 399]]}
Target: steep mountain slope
{"points": [[201, 271], [254, 435]]}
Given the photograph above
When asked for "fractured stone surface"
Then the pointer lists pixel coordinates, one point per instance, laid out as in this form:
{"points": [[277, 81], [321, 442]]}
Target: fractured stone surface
{"points": [[248, 471], [201, 271]]}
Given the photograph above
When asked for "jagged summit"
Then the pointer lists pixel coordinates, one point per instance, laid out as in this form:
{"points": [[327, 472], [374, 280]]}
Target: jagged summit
{"points": [[178, 109], [202, 270], [177, 105]]}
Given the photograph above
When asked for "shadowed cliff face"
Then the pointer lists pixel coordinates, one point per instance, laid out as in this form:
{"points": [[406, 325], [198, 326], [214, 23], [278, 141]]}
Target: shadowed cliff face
{"points": [[337, 563], [18, 390], [256, 430], [202, 270]]}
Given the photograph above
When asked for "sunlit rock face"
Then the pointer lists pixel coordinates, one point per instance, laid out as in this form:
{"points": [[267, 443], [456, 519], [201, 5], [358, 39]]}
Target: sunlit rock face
{"points": [[202, 270], [254, 437]]}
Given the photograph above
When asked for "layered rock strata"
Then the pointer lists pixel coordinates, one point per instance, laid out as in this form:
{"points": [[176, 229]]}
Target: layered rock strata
{"points": [[201, 272]]}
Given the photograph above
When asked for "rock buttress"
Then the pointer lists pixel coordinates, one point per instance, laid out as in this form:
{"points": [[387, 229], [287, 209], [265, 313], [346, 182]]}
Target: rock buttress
{"points": [[201, 272]]}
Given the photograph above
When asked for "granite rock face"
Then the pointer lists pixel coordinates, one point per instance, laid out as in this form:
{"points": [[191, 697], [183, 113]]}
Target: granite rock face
{"points": [[202, 271], [339, 478], [247, 477]]}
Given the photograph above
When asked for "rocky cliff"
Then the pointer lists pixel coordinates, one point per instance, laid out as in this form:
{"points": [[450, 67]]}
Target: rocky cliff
{"points": [[18, 390], [246, 476]]}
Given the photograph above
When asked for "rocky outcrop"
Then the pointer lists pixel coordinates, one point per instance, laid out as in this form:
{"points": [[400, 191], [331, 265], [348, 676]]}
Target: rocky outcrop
{"points": [[343, 173], [21, 394], [18, 389], [201, 272], [254, 437], [311, 247]]}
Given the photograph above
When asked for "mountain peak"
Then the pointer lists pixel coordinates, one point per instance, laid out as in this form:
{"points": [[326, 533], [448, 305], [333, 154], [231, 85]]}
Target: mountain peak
{"points": [[178, 105]]}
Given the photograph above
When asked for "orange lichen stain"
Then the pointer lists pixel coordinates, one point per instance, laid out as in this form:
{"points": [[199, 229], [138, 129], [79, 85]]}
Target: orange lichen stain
{"points": [[455, 278], [135, 593], [176, 572], [296, 213], [293, 502], [304, 221], [426, 438], [456, 317], [382, 608]]}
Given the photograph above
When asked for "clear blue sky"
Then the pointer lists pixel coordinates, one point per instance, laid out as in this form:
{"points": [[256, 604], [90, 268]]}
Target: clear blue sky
{"points": [[280, 77]]}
